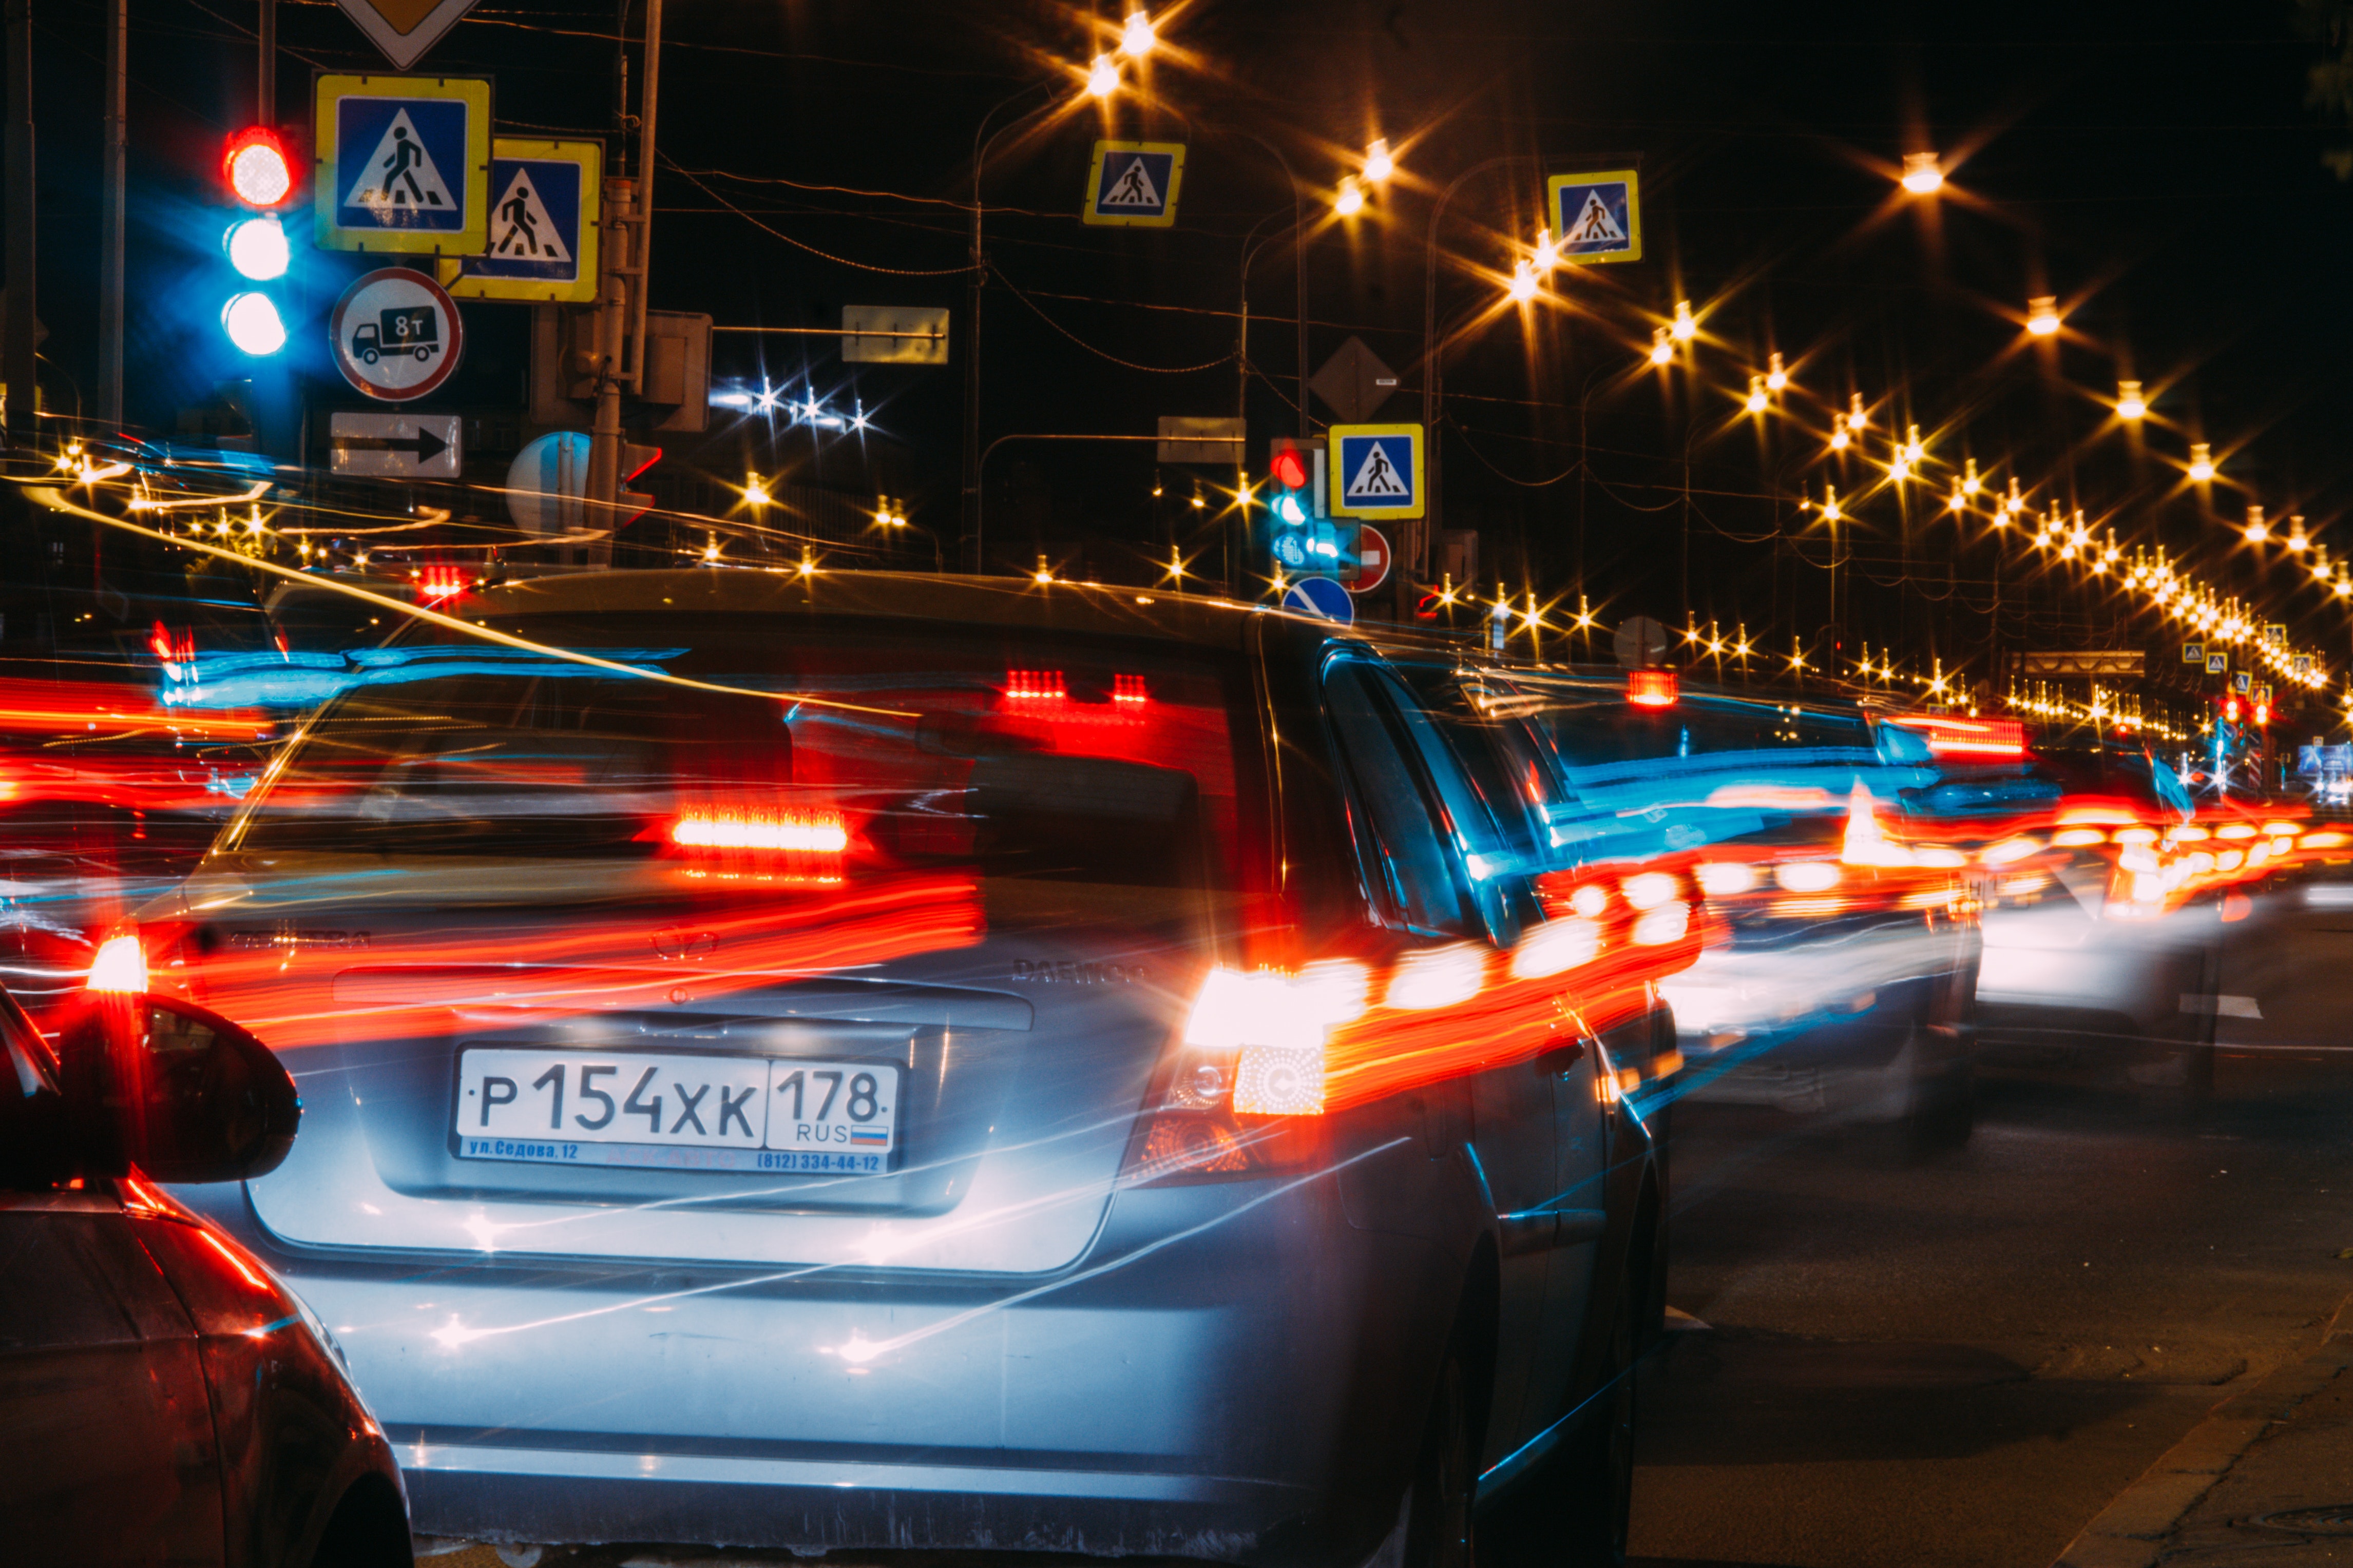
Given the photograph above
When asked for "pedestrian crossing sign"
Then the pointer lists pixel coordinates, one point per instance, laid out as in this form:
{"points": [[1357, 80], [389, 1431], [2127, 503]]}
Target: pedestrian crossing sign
{"points": [[545, 211], [1133, 184], [403, 164], [1377, 470], [2193, 653], [1598, 217], [2218, 664]]}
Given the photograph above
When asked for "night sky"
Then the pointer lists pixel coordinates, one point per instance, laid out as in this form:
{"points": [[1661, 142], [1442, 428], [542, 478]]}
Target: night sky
{"points": [[2155, 167]]}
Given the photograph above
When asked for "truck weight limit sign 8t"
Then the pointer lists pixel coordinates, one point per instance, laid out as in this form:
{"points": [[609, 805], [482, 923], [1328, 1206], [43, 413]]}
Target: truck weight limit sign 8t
{"points": [[396, 335]]}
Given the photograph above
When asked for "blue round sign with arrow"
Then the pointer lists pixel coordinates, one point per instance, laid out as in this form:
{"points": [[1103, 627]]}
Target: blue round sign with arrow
{"points": [[1320, 596]]}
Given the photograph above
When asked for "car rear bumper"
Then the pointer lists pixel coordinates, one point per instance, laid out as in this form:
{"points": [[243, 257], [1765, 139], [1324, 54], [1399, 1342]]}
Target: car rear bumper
{"points": [[1233, 1368]]}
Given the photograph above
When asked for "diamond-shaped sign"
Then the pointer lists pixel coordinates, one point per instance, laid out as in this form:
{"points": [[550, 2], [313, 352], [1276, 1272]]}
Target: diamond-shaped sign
{"points": [[1354, 383], [405, 29]]}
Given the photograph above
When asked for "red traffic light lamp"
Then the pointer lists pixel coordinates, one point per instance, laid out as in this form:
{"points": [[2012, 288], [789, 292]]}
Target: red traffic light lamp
{"points": [[257, 169], [1290, 469]]}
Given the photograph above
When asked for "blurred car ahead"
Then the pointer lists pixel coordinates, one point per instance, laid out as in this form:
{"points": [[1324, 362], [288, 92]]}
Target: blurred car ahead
{"points": [[163, 1398], [1842, 951], [842, 1061]]}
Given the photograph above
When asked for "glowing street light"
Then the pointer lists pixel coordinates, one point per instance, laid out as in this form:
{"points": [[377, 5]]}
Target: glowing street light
{"points": [[2201, 463], [2297, 539], [1662, 351], [1831, 512], [1857, 417], [755, 491], [1839, 436], [1970, 483], [2257, 529], [2130, 404], [2043, 315], [1547, 254], [1685, 328], [1350, 201], [1758, 401], [1378, 164], [1524, 281], [1777, 379], [1959, 501], [1914, 451], [1922, 178], [1136, 37], [1103, 76]]}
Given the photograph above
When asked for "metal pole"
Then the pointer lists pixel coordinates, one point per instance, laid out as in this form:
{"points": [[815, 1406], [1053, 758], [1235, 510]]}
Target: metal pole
{"points": [[265, 100], [979, 264], [117, 151], [642, 251], [16, 345]]}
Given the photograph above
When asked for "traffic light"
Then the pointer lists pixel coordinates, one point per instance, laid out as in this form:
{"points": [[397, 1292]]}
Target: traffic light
{"points": [[2230, 710], [257, 170], [1287, 495]]}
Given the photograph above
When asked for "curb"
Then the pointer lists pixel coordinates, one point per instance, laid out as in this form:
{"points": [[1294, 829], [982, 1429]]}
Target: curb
{"points": [[2130, 1531]]}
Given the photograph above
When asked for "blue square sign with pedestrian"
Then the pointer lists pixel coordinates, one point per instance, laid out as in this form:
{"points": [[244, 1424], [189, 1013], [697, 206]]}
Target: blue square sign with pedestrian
{"points": [[1133, 184], [403, 162], [1377, 470], [1598, 216]]}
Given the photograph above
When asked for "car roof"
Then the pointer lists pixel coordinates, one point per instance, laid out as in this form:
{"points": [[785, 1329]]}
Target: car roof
{"points": [[1089, 609]]}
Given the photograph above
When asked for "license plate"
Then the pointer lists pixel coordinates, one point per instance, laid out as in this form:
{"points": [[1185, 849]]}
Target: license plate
{"points": [[677, 1113]]}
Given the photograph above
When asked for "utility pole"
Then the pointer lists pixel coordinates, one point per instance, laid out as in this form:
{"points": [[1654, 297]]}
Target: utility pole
{"points": [[16, 346], [117, 155], [265, 100], [621, 322]]}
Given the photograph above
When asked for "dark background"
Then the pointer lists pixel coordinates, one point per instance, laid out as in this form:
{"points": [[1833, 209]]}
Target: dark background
{"points": [[2155, 167]]}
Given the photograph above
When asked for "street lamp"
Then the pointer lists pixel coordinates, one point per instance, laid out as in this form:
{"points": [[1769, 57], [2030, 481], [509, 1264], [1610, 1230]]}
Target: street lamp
{"points": [[1777, 379], [1685, 329], [1758, 401], [2130, 404], [1839, 436], [1663, 350], [1350, 200], [1103, 76], [1136, 37], [2257, 529], [2043, 315], [1547, 254], [1378, 164], [1524, 281], [2201, 463], [1922, 178]]}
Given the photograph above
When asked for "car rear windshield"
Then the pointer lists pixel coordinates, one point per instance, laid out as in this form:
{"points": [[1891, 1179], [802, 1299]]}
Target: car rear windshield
{"points": [[817, 747]]}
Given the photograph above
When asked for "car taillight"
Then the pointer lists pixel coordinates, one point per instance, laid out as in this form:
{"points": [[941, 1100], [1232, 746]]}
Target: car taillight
{"points": [[1261, 1035], [120, 965]]}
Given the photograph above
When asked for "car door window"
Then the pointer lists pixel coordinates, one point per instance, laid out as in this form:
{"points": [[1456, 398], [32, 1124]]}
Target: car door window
{"points": [[1405, 861]]}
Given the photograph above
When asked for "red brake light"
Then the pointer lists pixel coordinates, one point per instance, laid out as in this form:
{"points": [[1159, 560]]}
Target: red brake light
{"points": [[258, 170], [1968, 737], [1650, 687], [439, 583]]}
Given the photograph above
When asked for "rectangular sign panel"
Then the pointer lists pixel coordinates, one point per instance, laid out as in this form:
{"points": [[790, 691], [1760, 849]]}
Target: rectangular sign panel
{"points": [[403, 164], [397, 445], [894, 334], [1133, 184], [546, 201], [1598, 217], [1377, 470]]}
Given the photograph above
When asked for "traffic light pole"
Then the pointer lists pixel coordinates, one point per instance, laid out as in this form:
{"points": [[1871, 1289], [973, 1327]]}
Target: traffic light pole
{"points": [[17, 359], [117, 154], [620, 356]]}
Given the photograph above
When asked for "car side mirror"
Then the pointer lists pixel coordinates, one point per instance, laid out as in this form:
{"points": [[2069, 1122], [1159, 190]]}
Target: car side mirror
{"points": [[181, 1093]]}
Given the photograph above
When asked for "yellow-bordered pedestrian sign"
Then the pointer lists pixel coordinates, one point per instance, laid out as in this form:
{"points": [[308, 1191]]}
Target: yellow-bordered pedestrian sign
{"points": [[546, 201], [1377, 470], [1133, 184], [1598, 217], [403, 164]]}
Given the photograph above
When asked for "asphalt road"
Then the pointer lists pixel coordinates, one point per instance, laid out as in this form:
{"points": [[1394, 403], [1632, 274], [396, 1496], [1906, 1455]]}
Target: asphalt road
{"points": [[1964, 1361]]}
